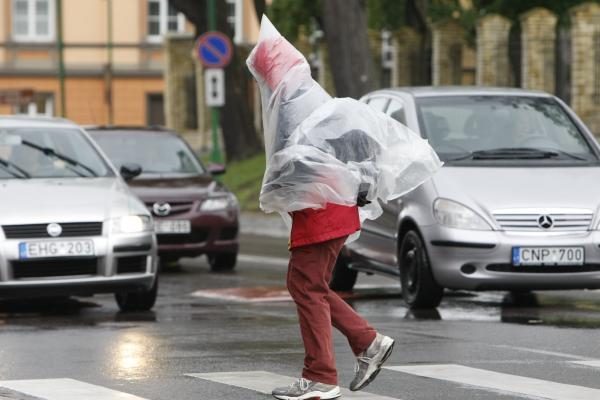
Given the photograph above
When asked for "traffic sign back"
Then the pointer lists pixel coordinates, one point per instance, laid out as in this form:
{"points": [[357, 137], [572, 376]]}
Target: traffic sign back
{"points": [[214, 49]]}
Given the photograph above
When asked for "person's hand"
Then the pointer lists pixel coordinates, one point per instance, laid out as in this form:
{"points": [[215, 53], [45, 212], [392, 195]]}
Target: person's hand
{"points": [[361, 200]]}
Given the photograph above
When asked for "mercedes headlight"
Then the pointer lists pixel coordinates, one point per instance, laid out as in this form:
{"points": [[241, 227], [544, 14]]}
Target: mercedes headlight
{"points": [[454, 215], [218, 203], [132, 224]]}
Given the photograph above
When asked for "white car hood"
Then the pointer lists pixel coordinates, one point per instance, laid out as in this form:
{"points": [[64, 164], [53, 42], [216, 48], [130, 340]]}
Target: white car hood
{"points": [[487, 189], [31, 201]]}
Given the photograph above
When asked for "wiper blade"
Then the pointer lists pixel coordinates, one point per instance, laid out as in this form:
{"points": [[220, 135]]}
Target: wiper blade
{"points": [[511, 153], [53, 153], [7, 165]]}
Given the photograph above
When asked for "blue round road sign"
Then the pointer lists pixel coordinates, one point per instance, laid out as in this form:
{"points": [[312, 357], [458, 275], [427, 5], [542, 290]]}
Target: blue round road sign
{"points": [[214, 50]]}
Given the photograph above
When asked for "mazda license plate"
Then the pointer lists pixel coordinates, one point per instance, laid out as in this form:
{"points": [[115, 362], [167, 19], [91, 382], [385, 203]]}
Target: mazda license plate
{"points": [[548, 256], [172, 226], [56, 248]]}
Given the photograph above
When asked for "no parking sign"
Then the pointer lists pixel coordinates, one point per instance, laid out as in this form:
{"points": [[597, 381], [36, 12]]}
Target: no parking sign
{"points": [[214, 50]]}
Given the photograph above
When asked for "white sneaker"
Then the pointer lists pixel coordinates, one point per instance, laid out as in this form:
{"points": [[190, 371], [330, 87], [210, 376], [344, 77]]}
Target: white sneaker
{"points": [[369, 362], [303, 389]]}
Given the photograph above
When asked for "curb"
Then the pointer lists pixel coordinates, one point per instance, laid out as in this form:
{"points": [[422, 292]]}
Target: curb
{"points": [[263, 225]]}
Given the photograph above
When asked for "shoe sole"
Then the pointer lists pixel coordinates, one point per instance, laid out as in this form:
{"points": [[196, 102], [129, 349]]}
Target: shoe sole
{"points": [[322, 396], [372, 377]]}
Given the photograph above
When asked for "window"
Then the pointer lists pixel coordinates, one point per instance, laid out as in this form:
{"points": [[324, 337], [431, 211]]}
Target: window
{"points": [[33, 20], [378, 103], [396, 111], [42, 104], [163, 18], [234, 19]]}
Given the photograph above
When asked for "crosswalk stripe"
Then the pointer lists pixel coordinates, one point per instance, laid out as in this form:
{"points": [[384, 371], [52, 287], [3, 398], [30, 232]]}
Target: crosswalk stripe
{"points": [[589, 363], [497, 381], [65, 389], [264, 382]]}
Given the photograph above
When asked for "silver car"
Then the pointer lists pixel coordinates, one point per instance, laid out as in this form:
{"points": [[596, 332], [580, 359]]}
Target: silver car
{"points": [[69, 225], [515, 207]]}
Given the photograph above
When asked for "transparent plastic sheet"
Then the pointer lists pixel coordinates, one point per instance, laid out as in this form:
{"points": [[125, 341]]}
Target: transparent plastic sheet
{"points": [[323, 150]]}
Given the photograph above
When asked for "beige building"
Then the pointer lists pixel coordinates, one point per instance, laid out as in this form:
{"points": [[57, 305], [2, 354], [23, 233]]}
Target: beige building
{"points": [[114, 63]]}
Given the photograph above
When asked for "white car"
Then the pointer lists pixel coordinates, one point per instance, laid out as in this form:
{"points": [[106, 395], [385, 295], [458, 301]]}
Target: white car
{"points": [[69, 224]]}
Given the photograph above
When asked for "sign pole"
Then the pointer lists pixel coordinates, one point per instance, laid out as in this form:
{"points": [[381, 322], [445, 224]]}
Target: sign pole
{"points": [[216, 156]]}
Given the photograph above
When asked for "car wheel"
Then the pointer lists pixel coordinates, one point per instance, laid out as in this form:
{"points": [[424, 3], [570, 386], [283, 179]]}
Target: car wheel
{"points": [[419, 289], [343, 278], [138, 301], [221, 262]]}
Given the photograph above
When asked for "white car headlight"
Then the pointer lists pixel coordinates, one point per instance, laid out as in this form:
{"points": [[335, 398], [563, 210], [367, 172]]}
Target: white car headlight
{"points": [[454, 215], [218, 203], [132, 224]]}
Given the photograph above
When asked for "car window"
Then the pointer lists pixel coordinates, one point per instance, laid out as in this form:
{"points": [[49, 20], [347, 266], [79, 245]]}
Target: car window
{"points": [[156, 153], [49, 153], [396, 110], [378, 103], [457, 125]]}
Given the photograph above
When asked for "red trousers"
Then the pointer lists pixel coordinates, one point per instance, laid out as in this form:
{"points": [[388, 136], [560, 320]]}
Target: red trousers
{"points": [[319, 308]]}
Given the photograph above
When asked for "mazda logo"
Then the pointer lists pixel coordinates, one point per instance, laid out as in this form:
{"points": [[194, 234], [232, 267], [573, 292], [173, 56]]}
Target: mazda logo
{"points": [[54, 229], [545, 222], [161, 209]]}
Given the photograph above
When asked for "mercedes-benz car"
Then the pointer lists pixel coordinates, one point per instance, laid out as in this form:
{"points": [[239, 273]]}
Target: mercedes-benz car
{"points": [[515, 206], [194, 214], [69, 223]]}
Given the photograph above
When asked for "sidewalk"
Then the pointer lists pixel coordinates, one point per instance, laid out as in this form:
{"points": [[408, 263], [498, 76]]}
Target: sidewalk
{"points": [[270, 225]]}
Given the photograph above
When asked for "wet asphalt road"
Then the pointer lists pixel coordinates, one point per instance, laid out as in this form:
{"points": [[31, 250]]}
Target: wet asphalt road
{"points": [[216, 330]]}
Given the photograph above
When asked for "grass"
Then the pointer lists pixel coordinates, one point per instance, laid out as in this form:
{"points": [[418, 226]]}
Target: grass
{"points": [[244, 178]]}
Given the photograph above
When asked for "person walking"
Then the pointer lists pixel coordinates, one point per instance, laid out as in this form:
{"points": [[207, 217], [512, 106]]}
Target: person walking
{"points": [[326, 158], [317, 237]]}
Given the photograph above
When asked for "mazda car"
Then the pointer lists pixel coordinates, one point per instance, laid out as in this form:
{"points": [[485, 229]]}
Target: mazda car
{"points": [[69, 223], [515, 206], [194, 214]]}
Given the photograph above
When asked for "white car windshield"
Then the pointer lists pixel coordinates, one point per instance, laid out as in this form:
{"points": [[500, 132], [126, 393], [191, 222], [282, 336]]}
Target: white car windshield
{"points": [[156, 153], [27, 153], [502, 128]]}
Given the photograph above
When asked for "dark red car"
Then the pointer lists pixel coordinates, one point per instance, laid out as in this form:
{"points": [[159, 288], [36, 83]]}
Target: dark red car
{"points": [[193, 213]]}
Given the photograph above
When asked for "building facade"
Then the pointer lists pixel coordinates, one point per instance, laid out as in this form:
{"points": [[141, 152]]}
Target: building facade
{"points": [[112, 52]]}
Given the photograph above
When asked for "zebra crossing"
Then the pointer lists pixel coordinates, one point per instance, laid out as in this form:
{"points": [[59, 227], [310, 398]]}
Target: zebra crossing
{"points": [[263, 382]]}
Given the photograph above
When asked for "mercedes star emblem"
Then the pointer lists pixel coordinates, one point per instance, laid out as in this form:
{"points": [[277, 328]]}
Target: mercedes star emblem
{"points": [[54, 229], [545, 222], [161, 209]]}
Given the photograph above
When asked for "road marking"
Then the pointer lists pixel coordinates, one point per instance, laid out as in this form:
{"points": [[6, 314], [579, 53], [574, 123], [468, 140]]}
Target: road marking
{"points": [[257, 294], [590, 363], [265, 382], [501, 382], [550, 353], [65, 389]]}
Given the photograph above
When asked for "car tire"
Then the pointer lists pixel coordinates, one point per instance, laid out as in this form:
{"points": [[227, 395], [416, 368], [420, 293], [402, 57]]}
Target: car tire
{"points": [[222, 262], [343, 278], [138, 301], [419, 289]]}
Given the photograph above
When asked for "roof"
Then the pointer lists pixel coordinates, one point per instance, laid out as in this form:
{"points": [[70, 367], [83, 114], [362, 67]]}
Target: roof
{"points": [[34, 122], [431, 91]]}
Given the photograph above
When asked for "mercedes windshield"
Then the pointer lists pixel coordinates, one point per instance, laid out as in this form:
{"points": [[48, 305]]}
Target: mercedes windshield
{"points": [[502, 129]]}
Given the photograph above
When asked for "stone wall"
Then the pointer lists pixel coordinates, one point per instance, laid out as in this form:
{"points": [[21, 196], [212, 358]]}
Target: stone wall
{"points": [[185, 111], [447, 58], [585, 65], [409, 59], [538, 53], [493, 68]]}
